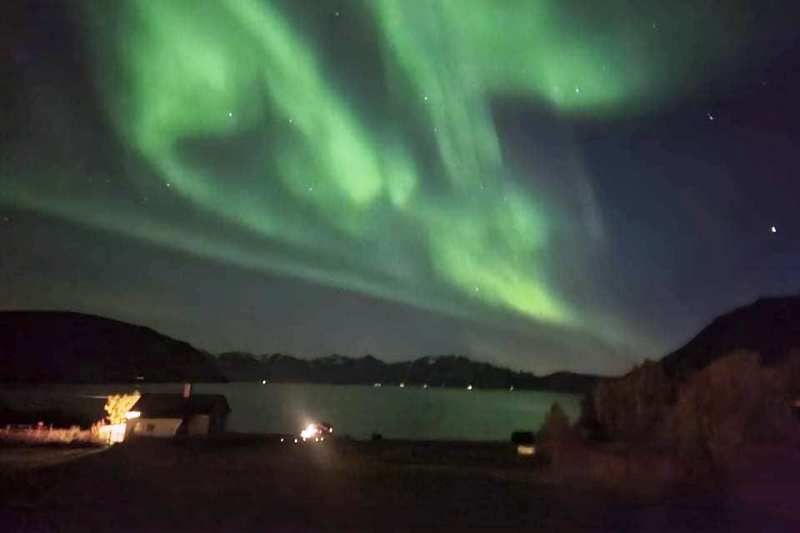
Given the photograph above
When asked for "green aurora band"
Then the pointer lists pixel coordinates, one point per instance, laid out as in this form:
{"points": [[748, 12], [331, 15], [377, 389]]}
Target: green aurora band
{"points": [[395, 188]]}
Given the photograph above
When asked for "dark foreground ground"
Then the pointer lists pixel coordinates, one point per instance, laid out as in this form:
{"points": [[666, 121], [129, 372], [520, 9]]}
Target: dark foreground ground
{"points": [[259, 484]]}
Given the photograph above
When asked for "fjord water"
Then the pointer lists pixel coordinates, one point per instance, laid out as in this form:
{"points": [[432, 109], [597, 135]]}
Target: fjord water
{"points": [[410, 412]]}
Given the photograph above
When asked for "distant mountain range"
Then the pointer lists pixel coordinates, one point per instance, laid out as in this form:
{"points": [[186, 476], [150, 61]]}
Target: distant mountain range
{"points": [[65, 347], [433, 371], [769, 326]]}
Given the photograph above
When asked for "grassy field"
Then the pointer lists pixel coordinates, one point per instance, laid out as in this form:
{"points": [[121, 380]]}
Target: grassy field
{"points": [[259, 484]]}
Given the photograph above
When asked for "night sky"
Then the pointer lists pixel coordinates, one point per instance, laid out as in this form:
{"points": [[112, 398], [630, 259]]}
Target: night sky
{"points": [[543, 184]]}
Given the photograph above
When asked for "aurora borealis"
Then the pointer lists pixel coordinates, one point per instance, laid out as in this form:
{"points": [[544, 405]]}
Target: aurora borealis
{"points": [[451, 163]]}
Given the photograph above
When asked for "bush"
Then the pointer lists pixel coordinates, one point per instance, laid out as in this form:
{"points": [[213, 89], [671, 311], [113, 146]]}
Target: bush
{"points": [[588, 425], [733, 405], [634, 407], [556, 427]]}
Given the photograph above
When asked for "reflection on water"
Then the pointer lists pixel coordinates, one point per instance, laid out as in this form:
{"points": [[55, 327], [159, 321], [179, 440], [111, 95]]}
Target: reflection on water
{"points": [[411, 412]]}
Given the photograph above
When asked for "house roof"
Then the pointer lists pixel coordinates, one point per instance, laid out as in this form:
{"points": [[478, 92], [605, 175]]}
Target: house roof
{"points": [[153, 405]]}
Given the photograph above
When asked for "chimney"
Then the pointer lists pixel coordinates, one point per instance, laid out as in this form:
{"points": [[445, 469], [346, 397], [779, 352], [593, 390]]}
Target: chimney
{"points": [[187, 390]]}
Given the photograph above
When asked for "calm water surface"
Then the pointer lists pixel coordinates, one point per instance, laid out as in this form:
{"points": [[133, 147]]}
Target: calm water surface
{"points": [[355, 410]]}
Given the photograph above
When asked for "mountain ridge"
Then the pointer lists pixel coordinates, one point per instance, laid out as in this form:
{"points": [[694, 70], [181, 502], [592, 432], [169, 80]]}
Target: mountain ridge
{"points": [[735, 381], [434, 371], [71, 347], [769, 326]]}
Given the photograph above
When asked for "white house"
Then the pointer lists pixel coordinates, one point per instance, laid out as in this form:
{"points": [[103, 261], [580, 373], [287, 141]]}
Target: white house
{"points": [[168, 415]]}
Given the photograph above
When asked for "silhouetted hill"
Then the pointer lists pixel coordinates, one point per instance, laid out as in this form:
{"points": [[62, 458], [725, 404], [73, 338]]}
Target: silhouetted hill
{"points": [[64, 347], [751, 354], [769, 327], [439, 371]]}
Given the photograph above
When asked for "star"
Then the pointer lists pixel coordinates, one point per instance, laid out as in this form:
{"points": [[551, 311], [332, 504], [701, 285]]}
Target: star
{"points": [[710, 117], [169, 185], [773, 229], [230, 114], [577, 90]]}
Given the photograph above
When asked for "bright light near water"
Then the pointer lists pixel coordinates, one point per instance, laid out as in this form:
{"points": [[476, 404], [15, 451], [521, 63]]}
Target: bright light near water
{"points": [[309, 432], [130, 415], [469, 387]]}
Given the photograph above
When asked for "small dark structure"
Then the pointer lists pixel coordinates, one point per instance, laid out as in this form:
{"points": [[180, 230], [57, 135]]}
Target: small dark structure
{"points": [[525, 441], [168, 415], [522, 437]]}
